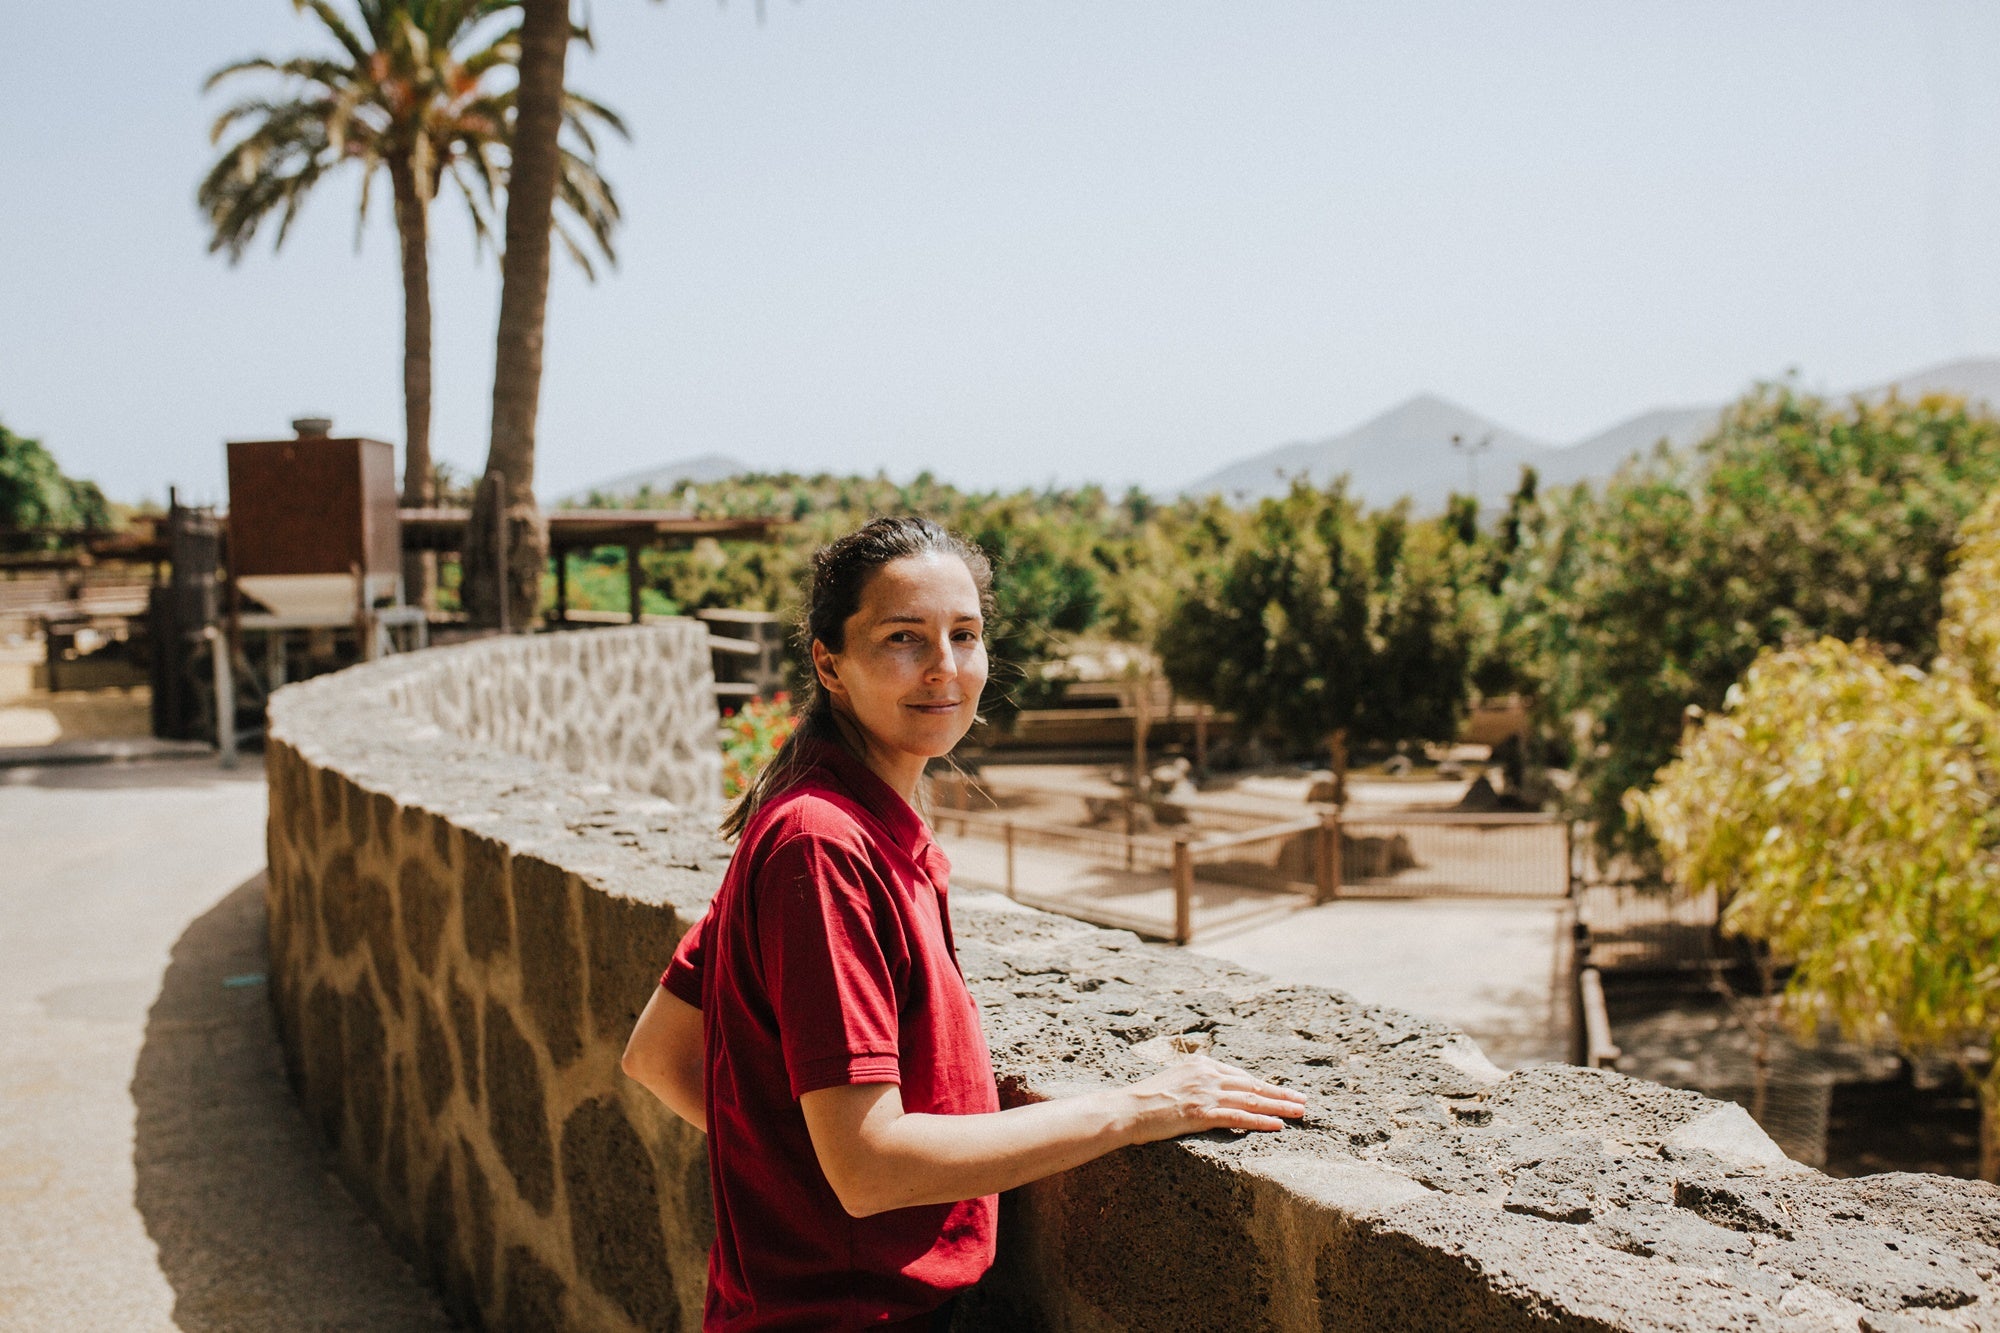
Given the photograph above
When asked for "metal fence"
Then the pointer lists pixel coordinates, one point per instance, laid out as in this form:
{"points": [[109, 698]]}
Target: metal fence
{"points": [[1638, 928], [1455, 855]]}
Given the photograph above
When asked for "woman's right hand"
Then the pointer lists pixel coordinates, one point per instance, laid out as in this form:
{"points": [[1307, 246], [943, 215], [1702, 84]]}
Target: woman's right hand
{"points": [[1198, 1094]]}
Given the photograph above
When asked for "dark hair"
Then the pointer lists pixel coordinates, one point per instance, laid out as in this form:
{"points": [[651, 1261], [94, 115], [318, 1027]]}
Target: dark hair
{"points": [[840, 574]]}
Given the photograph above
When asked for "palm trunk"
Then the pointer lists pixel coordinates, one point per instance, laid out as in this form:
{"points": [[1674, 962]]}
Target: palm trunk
{"points": [[1988, 1090], [517, 362], [413, 227]]}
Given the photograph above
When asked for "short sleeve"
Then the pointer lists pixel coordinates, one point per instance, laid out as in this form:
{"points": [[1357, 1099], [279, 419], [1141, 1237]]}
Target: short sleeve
{"points": [[683, 975], [828, 938]]}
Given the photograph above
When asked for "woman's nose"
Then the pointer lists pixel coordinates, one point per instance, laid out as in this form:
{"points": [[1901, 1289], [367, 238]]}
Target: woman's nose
{"points": [[940, 663]]}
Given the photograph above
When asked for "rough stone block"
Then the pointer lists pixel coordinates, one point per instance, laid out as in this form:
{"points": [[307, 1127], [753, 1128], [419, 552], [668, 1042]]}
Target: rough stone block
{"points": [[324, 1061], [536, 1301], [366, 1072], [1169, 1247], [424, 906], [444, 842], [697, 1201], [479, 1224], [443, 1249], [484, 917], [517, 1111], [396, 1155], [614, 1215], [434, 1067], [331, 808], [551, 966], [465, 1025], [629, 945], [381, 821], [378, 919], [354, 802], [341, 911]]}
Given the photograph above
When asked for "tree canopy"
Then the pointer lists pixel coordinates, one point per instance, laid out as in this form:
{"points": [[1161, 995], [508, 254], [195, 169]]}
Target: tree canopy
{"points": [[35, 494], [1315, 622], [1799, 518], [1843, 808]]}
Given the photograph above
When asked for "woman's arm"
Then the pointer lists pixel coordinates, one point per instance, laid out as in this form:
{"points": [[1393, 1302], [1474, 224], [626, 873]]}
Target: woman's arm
{"points": [[877, 1156], [665, 1053]]}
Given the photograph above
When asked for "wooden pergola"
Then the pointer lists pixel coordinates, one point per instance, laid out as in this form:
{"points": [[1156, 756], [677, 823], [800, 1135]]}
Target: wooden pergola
{"points": [[587, 529]]}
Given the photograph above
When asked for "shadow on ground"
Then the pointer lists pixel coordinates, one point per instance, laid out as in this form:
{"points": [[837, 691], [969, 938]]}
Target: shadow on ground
{"points": [[145, 774], [253, 1232]]}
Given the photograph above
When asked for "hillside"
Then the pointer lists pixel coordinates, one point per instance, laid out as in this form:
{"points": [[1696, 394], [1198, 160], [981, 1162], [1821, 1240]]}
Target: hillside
{"points": [[1407, 450]]}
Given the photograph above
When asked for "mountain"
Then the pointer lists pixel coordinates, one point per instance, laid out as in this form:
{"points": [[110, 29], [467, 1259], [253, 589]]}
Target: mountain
{"points": [[1975, 378], [664, 481], [1598, 456], [1408, 450]]}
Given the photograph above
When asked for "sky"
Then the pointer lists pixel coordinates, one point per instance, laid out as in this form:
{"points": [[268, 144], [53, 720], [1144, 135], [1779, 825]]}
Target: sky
{"points": [[1023, 242]]}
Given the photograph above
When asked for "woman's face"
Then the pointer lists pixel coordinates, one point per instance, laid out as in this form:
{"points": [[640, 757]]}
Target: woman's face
{"points": [[914, 662]]}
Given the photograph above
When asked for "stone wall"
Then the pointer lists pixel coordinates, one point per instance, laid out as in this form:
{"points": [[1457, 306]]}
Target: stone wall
{"points": [[465, 920]]}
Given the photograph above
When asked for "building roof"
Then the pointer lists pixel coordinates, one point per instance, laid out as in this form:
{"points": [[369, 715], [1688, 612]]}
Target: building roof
{"points": [[571, 529]]}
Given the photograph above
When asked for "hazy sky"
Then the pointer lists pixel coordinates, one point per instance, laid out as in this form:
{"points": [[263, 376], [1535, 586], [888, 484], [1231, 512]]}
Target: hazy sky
{"points": [[1022, 241]]}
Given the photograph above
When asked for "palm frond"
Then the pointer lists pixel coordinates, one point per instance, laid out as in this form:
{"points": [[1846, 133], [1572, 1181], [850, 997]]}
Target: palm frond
{"points": [[577, 106], [575, 251], [335, 25]]}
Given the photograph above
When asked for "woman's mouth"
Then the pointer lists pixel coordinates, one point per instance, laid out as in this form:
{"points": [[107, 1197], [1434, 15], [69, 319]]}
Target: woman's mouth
{"points": [[938, 708]]}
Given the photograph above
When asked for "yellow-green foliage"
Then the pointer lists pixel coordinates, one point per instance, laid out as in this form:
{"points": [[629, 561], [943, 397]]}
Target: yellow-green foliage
{"points": [[1970, 634], [1846, 810]]}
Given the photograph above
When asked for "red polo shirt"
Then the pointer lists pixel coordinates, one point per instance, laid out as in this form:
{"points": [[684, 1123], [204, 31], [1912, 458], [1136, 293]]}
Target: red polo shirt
{"points": [[826, 959]]}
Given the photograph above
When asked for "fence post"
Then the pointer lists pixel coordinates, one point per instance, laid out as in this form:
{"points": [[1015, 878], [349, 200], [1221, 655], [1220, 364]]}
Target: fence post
{"points": [[1599, 1051], [1183, 890], [1326, 876], [1008, 828], [225, 695], [1131, 822]]}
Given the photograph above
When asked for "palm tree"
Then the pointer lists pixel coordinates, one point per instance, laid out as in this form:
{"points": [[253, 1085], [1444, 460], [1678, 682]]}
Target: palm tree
{"points": [[503, 587], [412, 91]]}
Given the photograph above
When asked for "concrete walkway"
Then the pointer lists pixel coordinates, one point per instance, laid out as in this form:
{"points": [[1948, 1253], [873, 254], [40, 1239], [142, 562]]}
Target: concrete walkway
{"points": [[155, 1172], [1497, 969]]}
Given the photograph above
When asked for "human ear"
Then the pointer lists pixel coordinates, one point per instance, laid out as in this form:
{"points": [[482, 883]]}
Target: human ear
{"points": [[827, 671]]}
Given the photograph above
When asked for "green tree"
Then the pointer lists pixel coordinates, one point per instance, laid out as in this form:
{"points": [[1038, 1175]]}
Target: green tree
{"points": [[416, 89], [1316, 623], [34, 493], [1798, 519], [1843, 808]]}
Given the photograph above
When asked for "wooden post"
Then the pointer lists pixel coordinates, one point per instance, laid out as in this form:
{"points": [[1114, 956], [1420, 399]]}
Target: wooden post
{"points": [[1131, 827], [225, 696], [1008, 828], [1201, 738], [1326, 858], [632, 578], [364, 629], [1599, 1050], [499, 543], [1183, 891], [562, 586]]}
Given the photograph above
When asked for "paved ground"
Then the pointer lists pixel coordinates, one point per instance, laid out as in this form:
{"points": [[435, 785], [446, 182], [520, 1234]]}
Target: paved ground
{"points": [[1496, 969], [155, 1172]]}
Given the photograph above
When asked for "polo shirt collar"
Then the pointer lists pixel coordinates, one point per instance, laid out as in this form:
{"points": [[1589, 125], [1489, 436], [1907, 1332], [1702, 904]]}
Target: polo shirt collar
{"points": [[876, 796]]}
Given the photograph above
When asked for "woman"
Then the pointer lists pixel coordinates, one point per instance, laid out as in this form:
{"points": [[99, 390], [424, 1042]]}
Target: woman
{"points": [[815, 1022]]}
